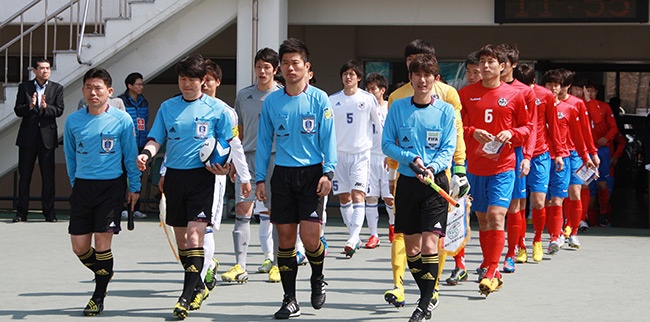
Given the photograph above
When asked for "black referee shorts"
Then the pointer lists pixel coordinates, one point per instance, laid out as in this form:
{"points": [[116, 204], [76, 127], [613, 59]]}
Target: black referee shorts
{"points": [[96, 206], [419, 208], [294, 194], [189, 195]]}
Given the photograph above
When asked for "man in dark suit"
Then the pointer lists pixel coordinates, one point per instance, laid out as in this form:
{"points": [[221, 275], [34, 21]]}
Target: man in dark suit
{"points": [[39, 102]]}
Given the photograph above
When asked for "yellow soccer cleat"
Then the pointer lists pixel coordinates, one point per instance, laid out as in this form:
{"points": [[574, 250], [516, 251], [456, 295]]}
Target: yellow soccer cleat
{"points": [[522, 256], [182, 308], [199, 297], [395, 297], [488, 285], [274, 275], [235, 274], [538, 252]]}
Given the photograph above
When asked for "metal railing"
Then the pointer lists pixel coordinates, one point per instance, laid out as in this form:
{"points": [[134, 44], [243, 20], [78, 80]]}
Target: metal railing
{"points": [[23, 44]]}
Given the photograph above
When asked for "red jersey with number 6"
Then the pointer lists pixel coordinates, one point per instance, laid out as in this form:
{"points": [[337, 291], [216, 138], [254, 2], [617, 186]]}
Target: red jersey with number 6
{"points": [[493, 110]]}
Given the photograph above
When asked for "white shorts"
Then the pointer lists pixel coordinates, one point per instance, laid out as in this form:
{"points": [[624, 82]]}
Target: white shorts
{"points": [[250, 159], [351, 172], [378, 178], [217, 202]]}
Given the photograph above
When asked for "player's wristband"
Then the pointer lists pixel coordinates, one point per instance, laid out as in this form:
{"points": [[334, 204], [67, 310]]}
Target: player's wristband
{"points": [[147, 153], [459, 169], [329, 175], [392, 174]]}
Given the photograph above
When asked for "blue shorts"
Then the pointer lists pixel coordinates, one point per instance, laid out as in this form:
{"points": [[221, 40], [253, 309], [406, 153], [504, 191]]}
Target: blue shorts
{"points": [[603, 170], [558, 184], [519, 190], [540, 173], [575, 164], [494, 190]]}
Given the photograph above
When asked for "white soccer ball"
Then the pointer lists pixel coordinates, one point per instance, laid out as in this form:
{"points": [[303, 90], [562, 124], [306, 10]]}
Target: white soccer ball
{"points": [[215, 151]]}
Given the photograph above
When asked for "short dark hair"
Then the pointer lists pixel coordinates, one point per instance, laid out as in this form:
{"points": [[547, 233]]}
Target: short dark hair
{"points": [[192, 66], [99, 73], [567, 77], [213, 69], [472, 58], [377, 79], [511, 51], [525, 74], [552, 76], [591, 84], [355, 66], [130, 80], [418, 46], [40, 60], [493, 51], [425, 63], [294, 45], [268, 55]]}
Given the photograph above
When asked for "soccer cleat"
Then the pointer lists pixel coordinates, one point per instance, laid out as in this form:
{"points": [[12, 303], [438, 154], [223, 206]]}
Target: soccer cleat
{"points": [[395, 297], [499, 278], [289, 309], [574, 242], [560, 241], [138, 214], [602, 221], [509, 265], [350, 249], [211, 275], [125, 214], [488, 285], [538, 251], [457, 275], [94, 307], [324, 241], [373, 242], [481, 271], [181, 309], [584, 226], [417, 316], [199, 297], [318, 294], [266, 266], [553, 247], [391, 233], [433, 304], [301, 258], [274, 274], [235, 274], [522, 256], [567, 232], [529, 221]]}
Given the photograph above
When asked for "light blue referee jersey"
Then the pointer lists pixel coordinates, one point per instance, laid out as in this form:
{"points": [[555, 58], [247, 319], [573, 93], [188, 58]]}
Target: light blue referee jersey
{"points": [[303, 128], [185, 125], [95, 146], [427, 131]]}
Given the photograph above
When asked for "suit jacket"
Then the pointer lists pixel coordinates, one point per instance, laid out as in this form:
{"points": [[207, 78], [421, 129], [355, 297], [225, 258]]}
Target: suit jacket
{"points": [[38, 119]]}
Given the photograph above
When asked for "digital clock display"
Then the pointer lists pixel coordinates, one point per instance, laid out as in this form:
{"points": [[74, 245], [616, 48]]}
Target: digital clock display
{"points": [[579, 11]]}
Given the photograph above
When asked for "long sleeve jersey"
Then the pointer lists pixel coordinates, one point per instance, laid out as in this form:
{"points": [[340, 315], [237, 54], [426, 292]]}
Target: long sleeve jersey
{"points": [[570, 127], [585, 122], [603, 124], [531, 107], [548, 138]]}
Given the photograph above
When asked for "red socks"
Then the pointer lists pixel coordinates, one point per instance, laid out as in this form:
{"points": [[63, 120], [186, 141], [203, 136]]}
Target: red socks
{"points": [[574, 214], [459, 259], [513, 226], [539, 219], [554, 221], [585, 197]]}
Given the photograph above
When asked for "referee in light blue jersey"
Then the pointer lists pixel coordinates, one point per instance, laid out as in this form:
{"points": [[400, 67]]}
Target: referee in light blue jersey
{"points": [[299, 119], [96, 140], [185, 122]]}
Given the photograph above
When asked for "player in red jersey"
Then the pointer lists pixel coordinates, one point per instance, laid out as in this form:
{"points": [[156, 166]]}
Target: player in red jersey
{"points": [[573, 208], [572, 149], [516, 218], [494, 120], [604, 131], [547, 142]]}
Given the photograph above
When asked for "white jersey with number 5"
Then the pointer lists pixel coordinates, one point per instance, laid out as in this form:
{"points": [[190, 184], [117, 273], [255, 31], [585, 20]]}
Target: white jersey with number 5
{"points": [[353, 118]]}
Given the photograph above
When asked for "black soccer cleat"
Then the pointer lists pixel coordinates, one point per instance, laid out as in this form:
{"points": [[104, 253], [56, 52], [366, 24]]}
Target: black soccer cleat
{"points": [[289, 309], [318, 292], [94, 307]]}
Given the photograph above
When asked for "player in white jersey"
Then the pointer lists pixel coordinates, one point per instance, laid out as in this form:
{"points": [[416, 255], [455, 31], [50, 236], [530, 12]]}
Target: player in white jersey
{"points": [[355, 111], [376, 84]]}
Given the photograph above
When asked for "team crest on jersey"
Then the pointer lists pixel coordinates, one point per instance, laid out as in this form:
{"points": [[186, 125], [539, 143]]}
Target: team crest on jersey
{"points": [[538, 102], [560, 115], [201, 129], [108, 144], [308, 124], [361, 106], [328, 112], [502, 102], [436, 96]]}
